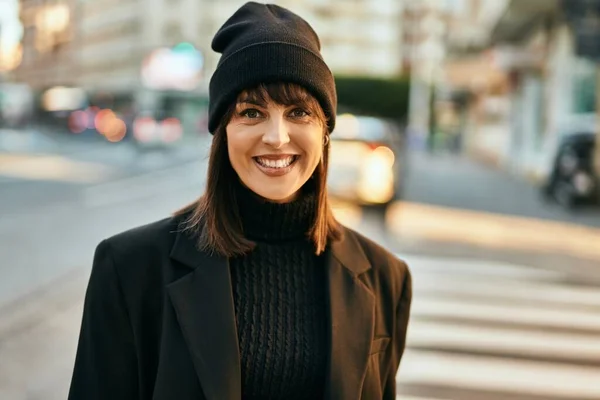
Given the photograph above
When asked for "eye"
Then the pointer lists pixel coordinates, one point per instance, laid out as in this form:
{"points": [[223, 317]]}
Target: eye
{"points": [[299, 113], [251, 113]]}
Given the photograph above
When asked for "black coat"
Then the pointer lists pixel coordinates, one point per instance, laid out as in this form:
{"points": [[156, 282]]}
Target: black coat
{"points": [[159, 321]]}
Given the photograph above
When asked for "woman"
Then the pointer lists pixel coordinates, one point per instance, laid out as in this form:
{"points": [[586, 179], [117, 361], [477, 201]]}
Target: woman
{"points": [[254, 291]]}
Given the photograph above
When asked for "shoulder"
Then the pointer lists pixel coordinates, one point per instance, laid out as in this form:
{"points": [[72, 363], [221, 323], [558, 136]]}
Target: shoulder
{"points": [[136, 260], [386, 268], [379, 256], [140, 251], [150, 237]]}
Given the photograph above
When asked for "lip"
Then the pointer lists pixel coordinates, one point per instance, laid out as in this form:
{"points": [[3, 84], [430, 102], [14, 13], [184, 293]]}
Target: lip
{"points": [[275, 156], [275, 171]]}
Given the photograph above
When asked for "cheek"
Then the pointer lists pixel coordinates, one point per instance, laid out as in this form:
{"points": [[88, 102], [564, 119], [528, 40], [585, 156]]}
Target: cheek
{"points": [[238, 147], [312, 147]]}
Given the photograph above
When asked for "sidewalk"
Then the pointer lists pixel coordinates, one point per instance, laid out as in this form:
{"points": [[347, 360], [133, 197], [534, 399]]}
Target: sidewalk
{"points": [[38, 340], [458, 182]]}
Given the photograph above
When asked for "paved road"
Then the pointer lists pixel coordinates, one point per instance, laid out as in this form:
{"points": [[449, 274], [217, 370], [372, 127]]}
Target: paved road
{"points": [[480, 330], [56, 206], [497, 331], [509, 321], [452, 181]]}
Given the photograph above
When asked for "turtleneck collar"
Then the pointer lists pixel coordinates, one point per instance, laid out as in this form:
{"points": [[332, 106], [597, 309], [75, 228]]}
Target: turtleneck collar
{"points": [[263, 220]]}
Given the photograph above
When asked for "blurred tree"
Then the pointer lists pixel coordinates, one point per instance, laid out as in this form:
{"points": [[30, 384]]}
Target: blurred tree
{"points": [[380, 97]]}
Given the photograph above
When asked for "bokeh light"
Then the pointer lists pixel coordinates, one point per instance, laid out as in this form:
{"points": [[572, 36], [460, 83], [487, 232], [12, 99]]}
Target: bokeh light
{"points": [[78, 121], [110, 126], [144, 128], [115, 130], [171, 130]]}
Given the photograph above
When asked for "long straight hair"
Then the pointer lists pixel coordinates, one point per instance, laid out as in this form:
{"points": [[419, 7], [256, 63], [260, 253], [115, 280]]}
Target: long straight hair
{"points": [[215, 218]]}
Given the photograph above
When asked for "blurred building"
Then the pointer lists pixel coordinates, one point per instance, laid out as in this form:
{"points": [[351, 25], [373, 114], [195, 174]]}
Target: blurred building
{"points": [[117, 35], [525, 74], [152, 54], [49, 53], [361, 38], [102, 44], [424, 32], [472, 85], [423, 50], [365, 38], [553, 81]]}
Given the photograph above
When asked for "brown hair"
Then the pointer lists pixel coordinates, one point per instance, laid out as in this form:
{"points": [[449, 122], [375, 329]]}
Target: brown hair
{"points": [[215, 217]]}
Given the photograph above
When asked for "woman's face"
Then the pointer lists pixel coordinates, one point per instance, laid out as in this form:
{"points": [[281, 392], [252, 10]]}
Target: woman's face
{"points": [[274, 148]]}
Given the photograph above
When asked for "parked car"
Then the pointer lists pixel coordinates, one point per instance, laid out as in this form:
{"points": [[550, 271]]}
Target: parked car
{"points": [[366, 162], [572, 180]]}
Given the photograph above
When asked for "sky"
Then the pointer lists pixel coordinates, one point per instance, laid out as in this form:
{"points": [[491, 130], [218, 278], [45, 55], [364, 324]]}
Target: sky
{"points": [[9, 22]]}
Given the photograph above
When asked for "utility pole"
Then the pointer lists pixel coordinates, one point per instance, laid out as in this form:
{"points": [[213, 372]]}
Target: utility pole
{"points": [[427, 54], [597, 146]]}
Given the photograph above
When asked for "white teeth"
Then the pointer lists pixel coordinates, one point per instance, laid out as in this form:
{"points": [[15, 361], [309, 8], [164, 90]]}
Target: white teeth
{"points": [[281, 163]]}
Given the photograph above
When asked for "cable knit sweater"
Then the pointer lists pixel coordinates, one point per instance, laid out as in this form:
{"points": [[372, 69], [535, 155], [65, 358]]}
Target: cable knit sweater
{"points": [[280, 303]]}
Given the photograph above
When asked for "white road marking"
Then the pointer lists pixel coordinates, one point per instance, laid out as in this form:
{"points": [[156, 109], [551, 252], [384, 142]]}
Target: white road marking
{"points": [[524, 291], [426, 334], [495, 374], [449, 267], [524, 314]]}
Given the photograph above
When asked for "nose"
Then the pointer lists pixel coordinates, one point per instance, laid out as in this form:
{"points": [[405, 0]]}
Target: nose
{"points": [[276, 134]]}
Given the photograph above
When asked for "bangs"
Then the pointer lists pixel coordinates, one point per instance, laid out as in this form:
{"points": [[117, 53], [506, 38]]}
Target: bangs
{"points": [[284, 94]]}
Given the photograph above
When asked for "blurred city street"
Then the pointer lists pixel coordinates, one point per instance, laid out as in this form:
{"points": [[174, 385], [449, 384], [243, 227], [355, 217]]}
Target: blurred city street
{"points": [[509, 311], [466, 141]]}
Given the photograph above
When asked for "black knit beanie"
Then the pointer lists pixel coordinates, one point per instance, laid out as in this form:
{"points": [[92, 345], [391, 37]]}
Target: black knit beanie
{"points": [[266, 43]]}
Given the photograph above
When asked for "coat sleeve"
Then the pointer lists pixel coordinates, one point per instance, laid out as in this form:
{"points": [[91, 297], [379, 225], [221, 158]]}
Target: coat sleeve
{"points": [[399, 344], [106, 362]]}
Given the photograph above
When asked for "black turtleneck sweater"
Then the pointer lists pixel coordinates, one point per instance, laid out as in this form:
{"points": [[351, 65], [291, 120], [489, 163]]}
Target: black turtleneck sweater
{"points": [[279, 293]]}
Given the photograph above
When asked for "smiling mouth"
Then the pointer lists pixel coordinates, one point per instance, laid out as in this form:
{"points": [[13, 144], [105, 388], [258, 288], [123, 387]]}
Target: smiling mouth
{"points": [[276, 163]]}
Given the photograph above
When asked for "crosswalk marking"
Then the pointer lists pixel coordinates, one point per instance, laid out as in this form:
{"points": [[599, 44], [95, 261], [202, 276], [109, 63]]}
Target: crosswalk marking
{"points": [[499, 329], [539, 344], [524, 314], [477, 268], [519, 376], [538, 292]]}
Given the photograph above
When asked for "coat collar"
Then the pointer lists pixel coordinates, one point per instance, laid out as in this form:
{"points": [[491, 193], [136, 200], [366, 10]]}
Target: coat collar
{"points": [[203, 302]]}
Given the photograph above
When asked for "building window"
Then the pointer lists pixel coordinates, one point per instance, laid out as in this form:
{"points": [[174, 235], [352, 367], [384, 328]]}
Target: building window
{"points": [[584, 87]]}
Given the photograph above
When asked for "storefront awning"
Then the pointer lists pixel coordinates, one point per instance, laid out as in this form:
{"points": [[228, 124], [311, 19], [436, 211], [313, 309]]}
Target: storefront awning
{"points": [[520, 17]]}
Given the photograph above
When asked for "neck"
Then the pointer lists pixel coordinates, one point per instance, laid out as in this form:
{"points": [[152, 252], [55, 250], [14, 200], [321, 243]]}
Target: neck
{"points": [[264, 220]]}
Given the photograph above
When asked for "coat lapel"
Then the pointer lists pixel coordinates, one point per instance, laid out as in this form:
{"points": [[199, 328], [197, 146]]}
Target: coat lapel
{"points": [[203, 303], [352, 311]]}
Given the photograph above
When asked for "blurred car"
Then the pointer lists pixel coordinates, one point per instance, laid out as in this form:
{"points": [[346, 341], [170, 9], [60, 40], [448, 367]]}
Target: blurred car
{"points": [[572, 180], [365, 164], [156, 130]]}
